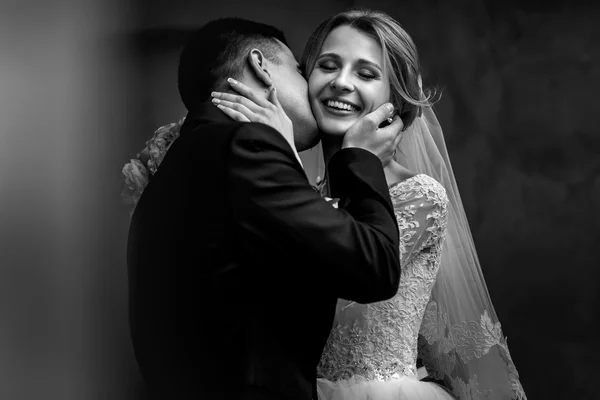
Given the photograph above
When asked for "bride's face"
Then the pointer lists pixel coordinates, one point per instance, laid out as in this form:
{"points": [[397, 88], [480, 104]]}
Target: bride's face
{"points": [[347, 81]]}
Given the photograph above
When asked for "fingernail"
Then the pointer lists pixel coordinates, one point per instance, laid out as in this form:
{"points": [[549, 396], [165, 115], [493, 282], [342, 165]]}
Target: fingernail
{"points": [[216, 101], [390, 107], [215, 94], [220, 106], [232, 81]]}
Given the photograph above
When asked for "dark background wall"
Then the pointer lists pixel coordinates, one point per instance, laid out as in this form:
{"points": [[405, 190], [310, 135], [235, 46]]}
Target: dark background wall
{"points": [[83, 85]]}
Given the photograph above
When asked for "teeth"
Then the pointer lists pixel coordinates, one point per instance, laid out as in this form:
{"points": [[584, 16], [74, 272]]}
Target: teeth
{"points": [[341, 106]]}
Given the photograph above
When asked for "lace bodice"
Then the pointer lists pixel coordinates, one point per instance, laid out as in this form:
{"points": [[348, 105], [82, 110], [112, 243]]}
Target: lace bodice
{"points": [[379, 340]]}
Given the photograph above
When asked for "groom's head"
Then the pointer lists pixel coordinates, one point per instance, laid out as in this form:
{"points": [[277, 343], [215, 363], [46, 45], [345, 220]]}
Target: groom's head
{"points": [[253, 53]]}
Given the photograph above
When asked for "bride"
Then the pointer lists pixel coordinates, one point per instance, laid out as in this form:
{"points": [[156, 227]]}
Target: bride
{"points": [[354, 62]]}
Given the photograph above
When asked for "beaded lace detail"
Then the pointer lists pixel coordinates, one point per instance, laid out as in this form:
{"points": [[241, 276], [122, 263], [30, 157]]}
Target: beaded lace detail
{"points": [[379, 341]]}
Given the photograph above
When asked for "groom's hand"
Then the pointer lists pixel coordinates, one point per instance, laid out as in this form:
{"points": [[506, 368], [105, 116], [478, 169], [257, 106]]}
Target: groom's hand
{"points": [[366, 134]]}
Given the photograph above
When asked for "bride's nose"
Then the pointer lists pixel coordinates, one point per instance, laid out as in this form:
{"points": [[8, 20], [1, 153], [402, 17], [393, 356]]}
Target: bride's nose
{"points": [[342, 82]]}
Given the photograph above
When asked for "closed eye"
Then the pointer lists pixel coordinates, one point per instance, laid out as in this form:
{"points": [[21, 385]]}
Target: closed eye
{"points": [[367, 76], [327, 66]]}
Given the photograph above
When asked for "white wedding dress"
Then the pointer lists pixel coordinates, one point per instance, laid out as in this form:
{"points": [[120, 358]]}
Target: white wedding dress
{"points": [[371, 353]]}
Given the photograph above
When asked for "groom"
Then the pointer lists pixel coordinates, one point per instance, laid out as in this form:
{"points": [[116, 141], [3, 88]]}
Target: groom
{"points": [[235, 261]]}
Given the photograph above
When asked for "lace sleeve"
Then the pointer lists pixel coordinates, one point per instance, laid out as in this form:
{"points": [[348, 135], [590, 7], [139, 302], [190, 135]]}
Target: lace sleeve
{"points": [[420, 204]]}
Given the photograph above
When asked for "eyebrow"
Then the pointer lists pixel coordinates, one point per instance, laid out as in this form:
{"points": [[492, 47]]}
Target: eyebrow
{"points": [[360, 60]]}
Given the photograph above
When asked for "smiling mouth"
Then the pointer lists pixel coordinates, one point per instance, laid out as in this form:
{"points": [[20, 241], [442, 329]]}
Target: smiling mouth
{"points": [[340, 106]]}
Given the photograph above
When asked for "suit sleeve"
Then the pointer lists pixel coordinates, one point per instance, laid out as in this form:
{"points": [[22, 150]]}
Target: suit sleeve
{"points": [[275, 207]]}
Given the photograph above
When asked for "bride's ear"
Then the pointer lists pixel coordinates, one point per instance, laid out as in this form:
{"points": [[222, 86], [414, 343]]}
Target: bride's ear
{"points": [[259, 65]]}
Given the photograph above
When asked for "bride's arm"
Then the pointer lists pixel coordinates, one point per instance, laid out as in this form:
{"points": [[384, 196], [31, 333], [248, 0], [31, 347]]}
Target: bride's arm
{"points": [[276, 208], [421, 220]]}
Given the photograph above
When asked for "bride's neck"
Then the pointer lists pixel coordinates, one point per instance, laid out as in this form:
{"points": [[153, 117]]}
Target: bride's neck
{"points": [[394, 172]]}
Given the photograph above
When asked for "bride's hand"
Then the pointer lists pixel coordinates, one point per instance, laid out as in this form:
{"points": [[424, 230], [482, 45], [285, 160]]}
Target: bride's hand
{"points": [[250, 107]]}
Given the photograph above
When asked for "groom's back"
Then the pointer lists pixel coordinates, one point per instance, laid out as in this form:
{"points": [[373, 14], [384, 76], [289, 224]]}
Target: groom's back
{"points": [[204, 316]]}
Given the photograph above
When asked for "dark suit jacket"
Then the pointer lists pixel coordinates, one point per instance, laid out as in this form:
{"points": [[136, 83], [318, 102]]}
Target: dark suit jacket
{"points": [[236, 262]]}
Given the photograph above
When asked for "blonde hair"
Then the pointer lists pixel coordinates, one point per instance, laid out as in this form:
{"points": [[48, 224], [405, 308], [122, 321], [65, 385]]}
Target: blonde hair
{"points": [[400, 57]]}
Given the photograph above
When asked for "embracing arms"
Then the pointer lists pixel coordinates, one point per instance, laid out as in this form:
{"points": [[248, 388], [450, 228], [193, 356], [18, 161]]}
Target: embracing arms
{"points": [[276, 208]]}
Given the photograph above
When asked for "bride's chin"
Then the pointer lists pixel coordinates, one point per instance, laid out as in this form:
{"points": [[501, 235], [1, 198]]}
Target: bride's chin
{"points": [[331, 128]]}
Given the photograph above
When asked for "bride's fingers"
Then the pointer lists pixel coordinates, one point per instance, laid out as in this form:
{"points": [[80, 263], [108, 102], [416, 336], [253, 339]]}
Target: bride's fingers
{"points": [[242, 109], [247, 92], [235, 115], [249, 104]]}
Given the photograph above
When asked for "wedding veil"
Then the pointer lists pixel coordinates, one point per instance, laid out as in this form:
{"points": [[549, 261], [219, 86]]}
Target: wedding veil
{"points": [[460, 340]]}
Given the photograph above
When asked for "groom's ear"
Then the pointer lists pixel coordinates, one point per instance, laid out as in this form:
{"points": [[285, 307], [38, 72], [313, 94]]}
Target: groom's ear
{"points": [[259, 65]]}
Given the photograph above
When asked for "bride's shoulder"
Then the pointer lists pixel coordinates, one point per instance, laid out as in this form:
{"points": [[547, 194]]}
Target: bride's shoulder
{"points": [[420, 186]]}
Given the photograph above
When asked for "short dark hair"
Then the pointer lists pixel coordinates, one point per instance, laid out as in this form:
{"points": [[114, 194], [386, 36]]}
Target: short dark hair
{"points": [[217, 51]]}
